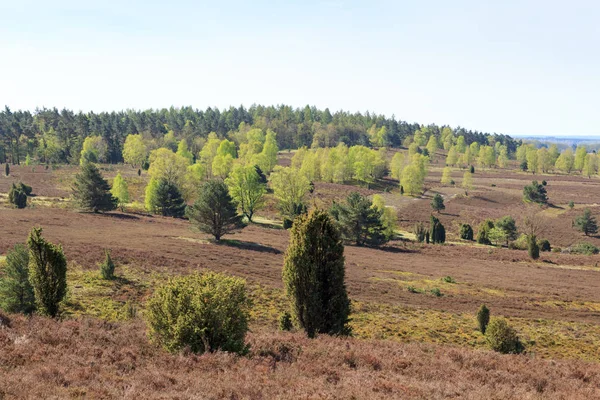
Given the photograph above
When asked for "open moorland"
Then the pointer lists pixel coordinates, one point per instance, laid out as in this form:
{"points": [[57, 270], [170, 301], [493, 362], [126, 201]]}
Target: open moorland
{"points": [[407, 343]]}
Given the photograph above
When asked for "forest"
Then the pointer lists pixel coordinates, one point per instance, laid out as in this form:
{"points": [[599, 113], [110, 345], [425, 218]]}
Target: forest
{"points": [[57, 136]]}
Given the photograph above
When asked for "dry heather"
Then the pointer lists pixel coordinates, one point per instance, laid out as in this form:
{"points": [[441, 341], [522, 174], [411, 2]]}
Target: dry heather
{"points": [[43, 358]]}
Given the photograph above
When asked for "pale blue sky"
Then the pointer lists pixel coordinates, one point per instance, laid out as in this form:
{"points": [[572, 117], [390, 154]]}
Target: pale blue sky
{"points": [[515, 67]]}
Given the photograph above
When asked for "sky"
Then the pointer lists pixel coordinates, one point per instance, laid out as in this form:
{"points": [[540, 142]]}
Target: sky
{"points": [[513, 67]]}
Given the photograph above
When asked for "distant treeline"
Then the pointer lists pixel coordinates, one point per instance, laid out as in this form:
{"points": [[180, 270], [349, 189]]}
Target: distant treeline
{"points": [[57, 136]]}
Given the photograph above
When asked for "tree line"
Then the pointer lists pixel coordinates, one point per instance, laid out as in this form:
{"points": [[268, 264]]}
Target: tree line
{"points": [[57, 136]]}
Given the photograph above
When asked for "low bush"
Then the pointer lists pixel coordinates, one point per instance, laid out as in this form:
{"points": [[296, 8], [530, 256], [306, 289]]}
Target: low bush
{"points": [[448, 279], [285, 322], [466, 232], [503, 338], [584, 248], [107, 268], [544, 245], [436, 292], [520, 243], [204, 313]]}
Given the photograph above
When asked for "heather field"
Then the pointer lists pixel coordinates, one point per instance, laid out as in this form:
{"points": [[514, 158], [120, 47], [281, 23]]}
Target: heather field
{"points": [[413, 305]]}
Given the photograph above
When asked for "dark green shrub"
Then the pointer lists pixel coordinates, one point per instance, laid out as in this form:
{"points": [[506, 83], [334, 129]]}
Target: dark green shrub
{"points": [[436, 292], [472, 169], [139, 172], [502, 338], [314, 273], [420, 232], [483, 318], [544, 183], [586, 223], [16, 293], [523, 165], [535, 193], [437, 203], [204, 313], [532, 247], [47, 273], [437, 230], [544, 245], [107, 268], [285, 322], [287, 223], [466, 232], [571, 205], [17, 197], [6, 169]]}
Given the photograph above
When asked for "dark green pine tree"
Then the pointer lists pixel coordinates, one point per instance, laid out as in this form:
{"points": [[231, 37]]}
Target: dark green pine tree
{"points": [[17, 196], [313, 275], [586, 223], [438, 232], [168, 200], [91, 191], [214, 211], [359, 221]]}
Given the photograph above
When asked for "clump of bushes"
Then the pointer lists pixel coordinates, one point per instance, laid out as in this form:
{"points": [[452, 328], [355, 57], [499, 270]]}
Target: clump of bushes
{"points": [[17, 195], [466, 232], [503, 338], [204, 313], [484, 231], [420, 232], [544, 245], [584, 248]]}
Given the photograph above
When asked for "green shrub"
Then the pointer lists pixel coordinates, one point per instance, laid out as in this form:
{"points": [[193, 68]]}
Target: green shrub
{"points": [[6, 169], [17, 196], [420, 232], [412, 289], [535, 193], [483, 318], [285, 322], [448, 279], [314, 274], [436, 292], [584, 248], [532, 247], [571, 205], [437, 230], [47, 273], [16, 293], [544, 245], [287, 223], [483, 232], [107, 268], [204, 313], [520, 243], [556, 249], [502, 338], [466, 232]]}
